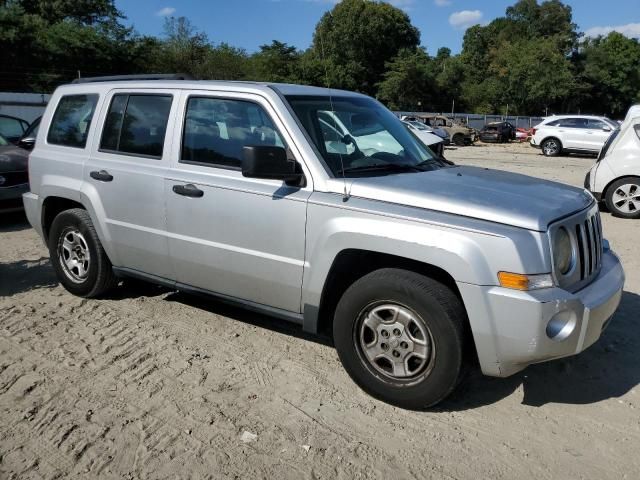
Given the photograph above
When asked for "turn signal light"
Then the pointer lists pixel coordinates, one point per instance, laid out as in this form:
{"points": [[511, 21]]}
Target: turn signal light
{"points": [[519, 281]]}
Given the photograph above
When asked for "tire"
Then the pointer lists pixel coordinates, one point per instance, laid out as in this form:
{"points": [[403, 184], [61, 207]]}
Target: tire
{"points": [[458, 139], [437, 317], [623, 198], [77, 256], [551, 147]]}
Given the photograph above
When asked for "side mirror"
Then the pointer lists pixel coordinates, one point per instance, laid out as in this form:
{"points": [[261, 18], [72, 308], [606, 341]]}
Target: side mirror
{"points": [[270, 163], [606, 129], [27, 143]]}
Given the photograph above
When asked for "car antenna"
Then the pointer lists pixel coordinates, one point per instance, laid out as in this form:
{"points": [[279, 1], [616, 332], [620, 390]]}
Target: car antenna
{"points": [[345, 193]]}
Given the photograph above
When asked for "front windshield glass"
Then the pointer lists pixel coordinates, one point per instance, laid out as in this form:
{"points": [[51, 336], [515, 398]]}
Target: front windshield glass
{"points": [[3, 141], [419, 126], [357, 136]]}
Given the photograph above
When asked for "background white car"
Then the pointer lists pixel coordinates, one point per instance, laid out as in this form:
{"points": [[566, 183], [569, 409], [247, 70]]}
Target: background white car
{"points": [[572, 134], [615, 178]]}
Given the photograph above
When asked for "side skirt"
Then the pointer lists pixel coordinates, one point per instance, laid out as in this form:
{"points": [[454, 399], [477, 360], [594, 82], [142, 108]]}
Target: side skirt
{"points": [[292, 317]]}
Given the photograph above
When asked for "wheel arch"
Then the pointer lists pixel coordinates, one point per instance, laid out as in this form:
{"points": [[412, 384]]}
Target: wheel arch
{"points": [[352, 264]]}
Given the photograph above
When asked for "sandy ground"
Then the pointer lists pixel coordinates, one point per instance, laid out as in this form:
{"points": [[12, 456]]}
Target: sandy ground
{"points": [[156, 384]]}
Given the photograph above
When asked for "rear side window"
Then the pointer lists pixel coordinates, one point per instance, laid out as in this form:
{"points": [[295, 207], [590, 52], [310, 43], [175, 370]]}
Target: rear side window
{"points": [[216, 130], [71, 121], [136, 124]]}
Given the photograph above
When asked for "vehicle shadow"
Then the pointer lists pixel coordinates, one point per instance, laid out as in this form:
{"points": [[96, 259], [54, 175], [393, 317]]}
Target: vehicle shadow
{"points": [[13, 222], [246, 316], [608, 369], [25, 275]]}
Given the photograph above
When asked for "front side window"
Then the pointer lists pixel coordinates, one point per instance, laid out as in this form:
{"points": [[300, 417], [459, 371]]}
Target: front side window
{"points": [[597, 124], [71, 120], [358, 136], [136, 124], [216, 130]]}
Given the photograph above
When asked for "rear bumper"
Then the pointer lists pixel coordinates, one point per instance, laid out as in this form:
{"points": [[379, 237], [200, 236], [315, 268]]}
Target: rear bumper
{"points": [[10, 197], [513, 329]]}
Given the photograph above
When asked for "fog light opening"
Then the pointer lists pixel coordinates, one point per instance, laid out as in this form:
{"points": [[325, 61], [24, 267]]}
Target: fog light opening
{"points": [[561, 325]]}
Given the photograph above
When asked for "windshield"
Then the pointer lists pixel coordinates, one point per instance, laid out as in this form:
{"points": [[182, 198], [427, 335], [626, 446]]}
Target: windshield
{"points": [[419, 125], [358, 136], [3, 141]]}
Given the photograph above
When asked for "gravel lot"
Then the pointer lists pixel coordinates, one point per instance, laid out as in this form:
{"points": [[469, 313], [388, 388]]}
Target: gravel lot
{"points": [[156, 384]]}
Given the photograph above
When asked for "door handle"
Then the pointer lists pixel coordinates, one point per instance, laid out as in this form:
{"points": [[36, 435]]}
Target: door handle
{"points": [[188, 190], [102, 176]]}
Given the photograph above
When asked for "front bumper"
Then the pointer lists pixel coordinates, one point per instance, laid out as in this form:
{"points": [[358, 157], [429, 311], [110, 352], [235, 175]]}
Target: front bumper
{"points": [[513, 329], [10, 197]]}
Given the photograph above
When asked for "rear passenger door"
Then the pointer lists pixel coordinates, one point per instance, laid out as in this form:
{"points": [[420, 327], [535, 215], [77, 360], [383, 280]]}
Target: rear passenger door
{"points": [[235, 236], [125, 177], [574, 133]]}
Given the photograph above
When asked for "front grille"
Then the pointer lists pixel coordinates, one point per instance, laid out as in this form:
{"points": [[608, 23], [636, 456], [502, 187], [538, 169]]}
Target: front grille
{"points": [[585, 228], [589, 237], [11, 179]]}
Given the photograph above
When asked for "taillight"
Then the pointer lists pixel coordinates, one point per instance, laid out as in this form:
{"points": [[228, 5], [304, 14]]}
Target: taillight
{"points": [[533, 131]]}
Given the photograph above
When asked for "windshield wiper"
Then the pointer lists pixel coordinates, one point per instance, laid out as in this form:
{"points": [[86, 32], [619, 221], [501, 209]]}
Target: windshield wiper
{"points": [[380, 167]]}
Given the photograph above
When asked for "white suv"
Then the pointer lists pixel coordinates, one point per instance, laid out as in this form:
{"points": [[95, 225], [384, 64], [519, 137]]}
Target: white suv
{"points": [[572, 134]]}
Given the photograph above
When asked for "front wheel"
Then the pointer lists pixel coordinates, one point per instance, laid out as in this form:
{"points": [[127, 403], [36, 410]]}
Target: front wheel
{"points": [[400, 336], [458, 139], [80, 262], [623, 198], [551, 147]]}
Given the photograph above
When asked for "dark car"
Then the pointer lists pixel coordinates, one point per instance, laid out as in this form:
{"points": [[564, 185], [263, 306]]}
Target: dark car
{"points": [[14, 179], [498, 132], [12, 128]]}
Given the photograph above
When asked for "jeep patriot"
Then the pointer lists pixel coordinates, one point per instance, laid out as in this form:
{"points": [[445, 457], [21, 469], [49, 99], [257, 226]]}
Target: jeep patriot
{"points": [[253, 193]]}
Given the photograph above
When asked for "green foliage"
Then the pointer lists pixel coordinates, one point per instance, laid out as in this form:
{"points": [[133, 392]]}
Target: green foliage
{"points": [[276, 62], [408, 83], [356, 40], [530, 59], [611, 65]]}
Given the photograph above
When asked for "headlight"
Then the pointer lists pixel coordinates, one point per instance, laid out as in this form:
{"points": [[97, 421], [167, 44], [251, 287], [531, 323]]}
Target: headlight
{"points": [[563, 252]]}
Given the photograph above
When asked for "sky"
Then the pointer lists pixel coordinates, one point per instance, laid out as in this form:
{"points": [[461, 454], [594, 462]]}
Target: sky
{"points": [[251, 23]]}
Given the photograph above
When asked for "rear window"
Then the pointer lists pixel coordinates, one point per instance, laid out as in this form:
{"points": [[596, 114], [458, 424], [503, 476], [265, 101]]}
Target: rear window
{"points": [[71, 120], [136, 124]]}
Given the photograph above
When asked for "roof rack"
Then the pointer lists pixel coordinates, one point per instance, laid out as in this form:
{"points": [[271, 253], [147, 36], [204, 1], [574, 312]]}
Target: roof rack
{"points": [[117, 78]]}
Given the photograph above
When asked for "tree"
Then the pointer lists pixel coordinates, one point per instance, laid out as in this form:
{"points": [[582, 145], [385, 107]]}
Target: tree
{"points": [[611, 65], [531, 74], [276, 62], [408, 83], [357, 38]]}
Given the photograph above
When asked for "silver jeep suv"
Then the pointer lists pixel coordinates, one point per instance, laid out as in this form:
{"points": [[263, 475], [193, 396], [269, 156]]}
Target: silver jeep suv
{"points": [[247, 192]]}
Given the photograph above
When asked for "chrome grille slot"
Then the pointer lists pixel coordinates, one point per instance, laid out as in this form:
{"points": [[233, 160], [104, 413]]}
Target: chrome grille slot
{"points": [[586, 230]]}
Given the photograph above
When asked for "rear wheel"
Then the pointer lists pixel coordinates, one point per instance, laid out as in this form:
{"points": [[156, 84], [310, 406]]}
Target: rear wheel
{"points": [[623, 198], [80, 262], [551, 147], [400, 336]]}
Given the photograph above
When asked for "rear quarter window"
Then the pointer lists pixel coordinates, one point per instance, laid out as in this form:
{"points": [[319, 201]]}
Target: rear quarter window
{"points": [[71, 120]]}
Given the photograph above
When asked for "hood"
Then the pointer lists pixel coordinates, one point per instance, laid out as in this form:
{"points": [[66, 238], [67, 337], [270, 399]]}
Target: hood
{"points": [[493, 195], [13, 159]]}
